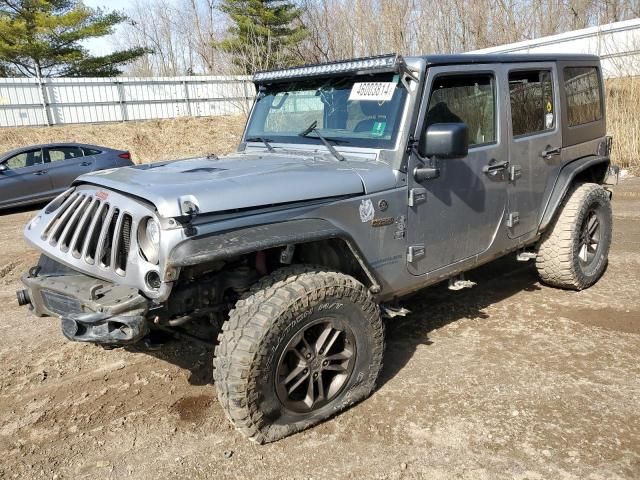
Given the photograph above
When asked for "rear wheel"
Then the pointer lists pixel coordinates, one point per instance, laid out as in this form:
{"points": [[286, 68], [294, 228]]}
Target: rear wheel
{"points": [[573, 253], [303, 345]]}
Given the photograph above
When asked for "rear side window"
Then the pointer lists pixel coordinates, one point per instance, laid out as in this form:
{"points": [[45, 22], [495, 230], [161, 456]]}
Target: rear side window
{"points": [[466, 99], [90, 151], [64, 153], [582, 88], [532, 108]]}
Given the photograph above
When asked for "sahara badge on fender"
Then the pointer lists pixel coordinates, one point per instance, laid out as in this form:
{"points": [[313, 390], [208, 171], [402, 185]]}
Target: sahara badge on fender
{"points": [[382, 222]]}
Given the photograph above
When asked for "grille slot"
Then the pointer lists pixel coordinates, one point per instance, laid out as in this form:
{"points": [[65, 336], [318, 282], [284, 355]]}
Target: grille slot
{"points": [[56, 218], [80, 237], [71, 228], [108, 240], [124, 242], [86, 227], [62, 219]]}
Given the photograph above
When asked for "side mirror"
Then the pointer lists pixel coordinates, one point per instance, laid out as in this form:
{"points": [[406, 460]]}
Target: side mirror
{"points": [[445, 140], [3, 167]]}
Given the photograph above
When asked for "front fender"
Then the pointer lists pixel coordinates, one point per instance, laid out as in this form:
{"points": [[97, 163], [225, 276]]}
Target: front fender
{"points": [[219, 246], [566, 177]]}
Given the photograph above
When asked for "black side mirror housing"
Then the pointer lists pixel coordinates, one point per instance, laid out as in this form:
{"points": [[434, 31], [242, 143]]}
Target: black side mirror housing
{"points": [[445, 140]]}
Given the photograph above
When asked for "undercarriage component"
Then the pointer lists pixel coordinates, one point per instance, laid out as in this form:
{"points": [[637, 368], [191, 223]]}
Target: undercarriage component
{"points": [[206, 295], [526, 256], [458, 283], [389, 311]]}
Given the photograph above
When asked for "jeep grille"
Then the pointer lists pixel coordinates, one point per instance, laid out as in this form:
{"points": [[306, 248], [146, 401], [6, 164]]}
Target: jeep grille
{"points": [[91, 229]]}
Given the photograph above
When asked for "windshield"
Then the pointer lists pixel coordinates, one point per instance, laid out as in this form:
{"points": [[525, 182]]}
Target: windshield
{"points": [[363, 111]]}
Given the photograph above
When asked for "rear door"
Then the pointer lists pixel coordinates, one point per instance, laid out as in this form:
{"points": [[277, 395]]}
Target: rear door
{"points": [[535, 141], [26, 179], [457, 214], [67, 164]]}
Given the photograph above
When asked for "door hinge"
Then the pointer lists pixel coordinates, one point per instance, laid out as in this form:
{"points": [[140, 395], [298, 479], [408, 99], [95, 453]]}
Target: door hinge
{"points": [[415, 252], [513, 219], [515, 172], [416, 196]]}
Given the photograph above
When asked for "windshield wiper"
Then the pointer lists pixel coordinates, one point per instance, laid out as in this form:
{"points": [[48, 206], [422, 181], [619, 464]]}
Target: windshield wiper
{"points": [[312, 128], [263, 140]]}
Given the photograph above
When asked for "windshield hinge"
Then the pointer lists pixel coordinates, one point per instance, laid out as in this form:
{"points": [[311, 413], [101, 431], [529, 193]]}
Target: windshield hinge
{"points": [[412, 144]]}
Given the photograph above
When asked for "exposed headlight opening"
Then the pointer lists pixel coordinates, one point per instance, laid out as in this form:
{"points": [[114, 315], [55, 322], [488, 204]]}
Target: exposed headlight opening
{"points": [[149, 239]]}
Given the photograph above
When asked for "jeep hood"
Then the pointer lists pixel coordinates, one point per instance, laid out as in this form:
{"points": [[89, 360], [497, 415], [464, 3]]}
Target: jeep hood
{"points": [[243, 180]]}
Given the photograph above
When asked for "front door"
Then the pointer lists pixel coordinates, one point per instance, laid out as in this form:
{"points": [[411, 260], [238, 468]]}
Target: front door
{"points": [[535, 141], [457, 214], [25, 179]]}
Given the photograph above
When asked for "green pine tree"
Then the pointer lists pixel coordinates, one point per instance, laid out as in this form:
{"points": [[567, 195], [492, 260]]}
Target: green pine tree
{"points": [[42, 38], [264, 33]]}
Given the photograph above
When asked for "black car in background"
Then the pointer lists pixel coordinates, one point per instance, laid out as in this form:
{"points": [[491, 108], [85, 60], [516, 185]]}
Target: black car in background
{"points": [[38, 173]]}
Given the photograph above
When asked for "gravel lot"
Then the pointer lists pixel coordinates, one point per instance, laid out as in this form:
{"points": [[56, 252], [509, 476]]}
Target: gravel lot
{"points": [[510, 380]]}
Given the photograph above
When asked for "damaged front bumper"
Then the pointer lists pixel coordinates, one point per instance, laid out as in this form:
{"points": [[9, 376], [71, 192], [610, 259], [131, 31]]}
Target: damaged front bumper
{"points": [[91, 310]]}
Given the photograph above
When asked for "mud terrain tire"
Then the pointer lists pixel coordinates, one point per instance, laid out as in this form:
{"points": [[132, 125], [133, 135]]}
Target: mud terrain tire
{"points": [[573, 252], [269, 336]]}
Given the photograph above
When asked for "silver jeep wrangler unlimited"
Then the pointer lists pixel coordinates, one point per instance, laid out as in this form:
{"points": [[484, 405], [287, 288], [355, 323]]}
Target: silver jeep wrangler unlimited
{"points": [[356, 183]]}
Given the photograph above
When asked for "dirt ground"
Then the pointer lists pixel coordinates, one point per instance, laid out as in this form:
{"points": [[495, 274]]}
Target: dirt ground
{"points": [[510, 380]]}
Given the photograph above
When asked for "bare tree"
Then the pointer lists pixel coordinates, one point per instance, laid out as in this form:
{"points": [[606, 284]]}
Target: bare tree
{"points": [[183, 33]]}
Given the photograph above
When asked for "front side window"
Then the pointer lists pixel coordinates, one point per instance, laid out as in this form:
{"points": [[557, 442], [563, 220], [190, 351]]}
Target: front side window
{"points": [[466, 99], [582, 88], [362, 111], [25, 159], [532, 106], [64, 153]]}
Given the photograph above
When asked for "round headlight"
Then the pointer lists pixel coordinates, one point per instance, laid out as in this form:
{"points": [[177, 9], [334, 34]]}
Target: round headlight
{"points": [[149, 239], [153, 232]]}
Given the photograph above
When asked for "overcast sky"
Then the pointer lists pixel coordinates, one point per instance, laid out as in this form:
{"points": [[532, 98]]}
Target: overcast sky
{"points": [[104, 45]]}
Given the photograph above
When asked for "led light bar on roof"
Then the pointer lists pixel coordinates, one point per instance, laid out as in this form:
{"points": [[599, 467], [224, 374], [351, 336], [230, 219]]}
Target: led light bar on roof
{"points": [[370, 64]]}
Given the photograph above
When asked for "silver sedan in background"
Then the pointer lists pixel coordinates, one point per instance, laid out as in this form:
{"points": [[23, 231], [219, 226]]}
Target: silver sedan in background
{"points": [[39, 173]]}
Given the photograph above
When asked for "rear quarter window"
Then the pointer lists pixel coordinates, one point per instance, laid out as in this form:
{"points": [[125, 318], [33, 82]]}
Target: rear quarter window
{"points": [[90, 151], [582, 89], [532, 103]]}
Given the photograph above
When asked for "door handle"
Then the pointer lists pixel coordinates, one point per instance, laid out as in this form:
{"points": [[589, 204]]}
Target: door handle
{"points": [[494, 167], [40, 172], [550, 152], [85, 164]]}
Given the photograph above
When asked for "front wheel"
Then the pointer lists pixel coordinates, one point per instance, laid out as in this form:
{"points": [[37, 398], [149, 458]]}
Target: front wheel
{"points": [[573, 253], [303, 345]]}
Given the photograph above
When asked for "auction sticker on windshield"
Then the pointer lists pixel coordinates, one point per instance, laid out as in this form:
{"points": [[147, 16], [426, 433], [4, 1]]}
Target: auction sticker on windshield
{"points": [[374, 91]]}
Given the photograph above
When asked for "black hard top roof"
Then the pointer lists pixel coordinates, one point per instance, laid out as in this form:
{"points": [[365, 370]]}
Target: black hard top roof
{"points": [[463, 59]]}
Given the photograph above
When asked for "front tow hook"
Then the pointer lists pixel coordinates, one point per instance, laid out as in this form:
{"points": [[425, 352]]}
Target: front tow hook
{"points": [[23, 297], [102, 328]]}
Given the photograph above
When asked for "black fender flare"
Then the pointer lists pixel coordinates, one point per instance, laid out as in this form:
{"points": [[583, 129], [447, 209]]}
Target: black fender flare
{"points": [[563, 182], [222, 245]]}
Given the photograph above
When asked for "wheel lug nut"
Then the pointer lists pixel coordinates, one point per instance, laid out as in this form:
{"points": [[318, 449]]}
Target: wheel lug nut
{"points": [[315, 375], [306, 370], [325, 363], [308, 355]]}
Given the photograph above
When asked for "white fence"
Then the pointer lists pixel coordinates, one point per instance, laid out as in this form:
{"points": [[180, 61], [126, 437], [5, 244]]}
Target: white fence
{"points": [[56, 101], [617, 44]]}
